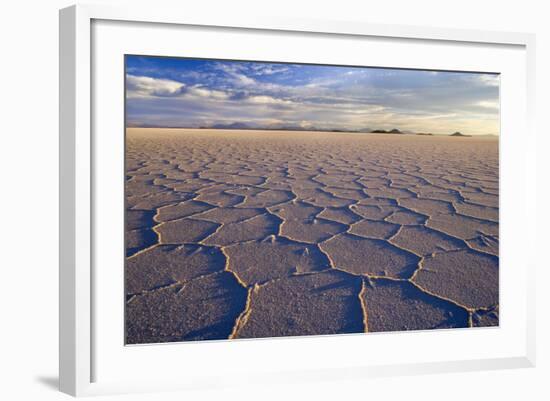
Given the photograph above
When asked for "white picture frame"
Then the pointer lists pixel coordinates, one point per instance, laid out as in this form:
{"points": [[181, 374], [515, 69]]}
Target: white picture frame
{"points": [[78, 180]]}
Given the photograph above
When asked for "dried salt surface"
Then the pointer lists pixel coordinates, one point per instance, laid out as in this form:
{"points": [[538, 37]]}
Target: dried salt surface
{"points": [[425, 241], [273, 258], [478, 211], [485, 318], [427, 206], [381, 203], [139, 239], [399, 305], [467, 277], [235, 234], [156, 199], [181, 210], [244, 191], [353, 194], [374, 229], [481, 198], [391, 193], [373, 212], [202, 309], [463, 227], [406, 218], [136, 219], [219, 198], [367, 256], [190, 185], [256, 228], [318, 197], [185, 231], [322, 303], [268, 198], [338, 181], [484, 244], [312, 231], [296, 211], [226, 215], [138, 187], [340, 215], [170, 264], [239, 179]]}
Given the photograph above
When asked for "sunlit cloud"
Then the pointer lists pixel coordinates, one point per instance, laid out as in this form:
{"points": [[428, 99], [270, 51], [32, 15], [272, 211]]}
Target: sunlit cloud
{"points": [[151, 87]]}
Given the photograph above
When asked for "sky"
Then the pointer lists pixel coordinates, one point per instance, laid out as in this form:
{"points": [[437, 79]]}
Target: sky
{"points": [[180, 92]]}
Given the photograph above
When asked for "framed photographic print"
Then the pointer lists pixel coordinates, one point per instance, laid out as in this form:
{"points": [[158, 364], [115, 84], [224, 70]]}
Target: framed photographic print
{"points": [[340, 190]]}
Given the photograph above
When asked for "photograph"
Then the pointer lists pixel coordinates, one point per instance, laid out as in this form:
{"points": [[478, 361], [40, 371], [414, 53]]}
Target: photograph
{"points": [[280, 199]]}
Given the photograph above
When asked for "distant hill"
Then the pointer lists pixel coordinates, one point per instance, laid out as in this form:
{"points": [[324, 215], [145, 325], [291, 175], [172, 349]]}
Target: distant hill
{"points": [[383, 131], [235, 125], [238, 125], [281, 127]]}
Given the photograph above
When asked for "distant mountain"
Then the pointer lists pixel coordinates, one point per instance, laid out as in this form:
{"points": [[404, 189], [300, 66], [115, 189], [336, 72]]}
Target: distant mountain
{"points": [[276, 127], [239, 125], [235, 125], [460, 134], [383, 131], [424, 133], [293, 128]]}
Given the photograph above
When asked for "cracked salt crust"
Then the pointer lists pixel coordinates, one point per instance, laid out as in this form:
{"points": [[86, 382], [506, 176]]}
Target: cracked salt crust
{"points": [[261, 234]]}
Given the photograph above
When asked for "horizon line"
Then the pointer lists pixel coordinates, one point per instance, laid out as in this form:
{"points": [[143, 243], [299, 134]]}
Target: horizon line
{"points": [[394, 131]]}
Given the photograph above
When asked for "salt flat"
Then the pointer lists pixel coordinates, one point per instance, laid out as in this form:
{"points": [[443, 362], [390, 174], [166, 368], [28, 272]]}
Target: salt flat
{"points": [[243, 234]]}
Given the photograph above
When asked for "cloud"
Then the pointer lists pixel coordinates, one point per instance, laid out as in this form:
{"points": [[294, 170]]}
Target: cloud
{"points": [[147, 87], [189, 92], [488, 79], [262, 99], [488, 104], [270, 70]]}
